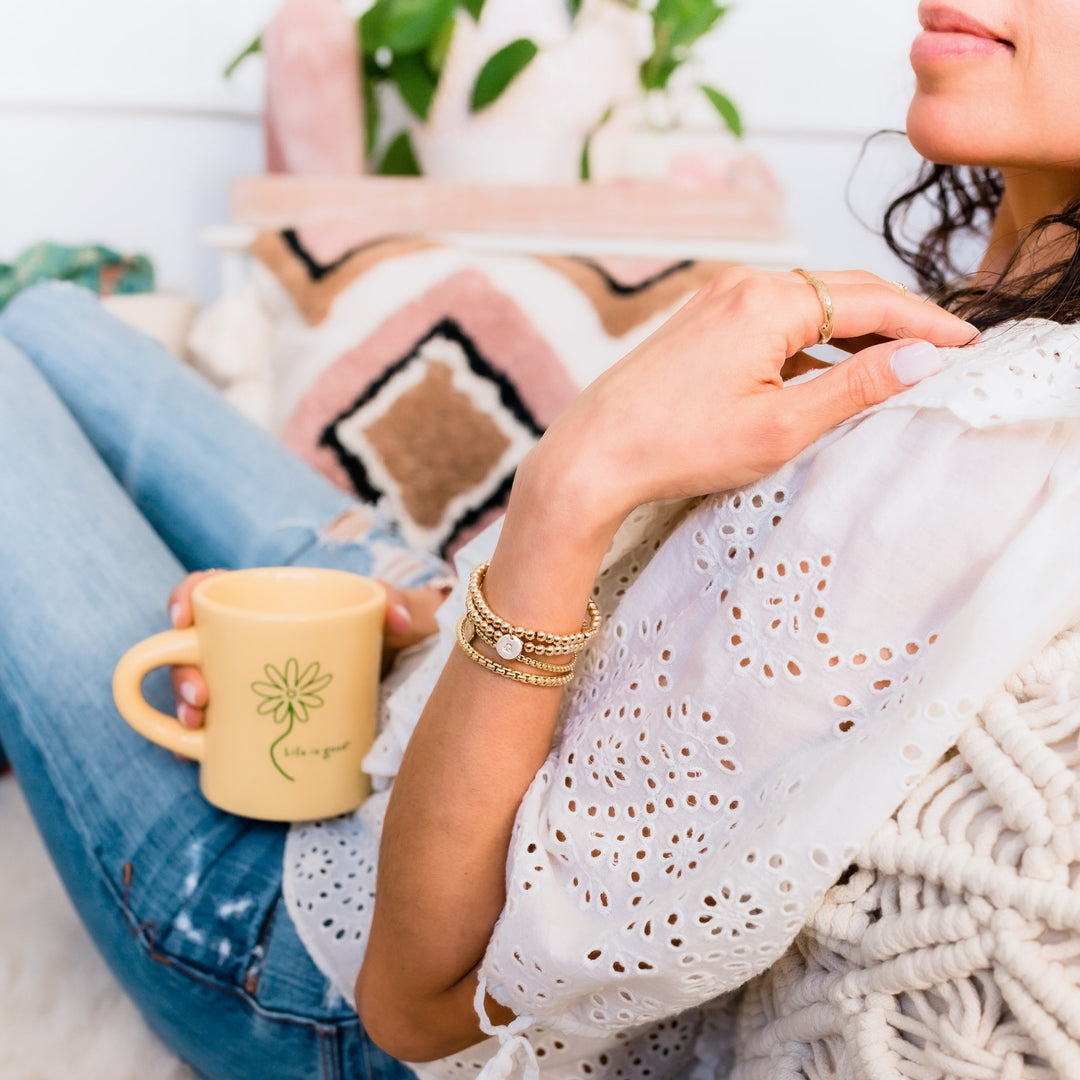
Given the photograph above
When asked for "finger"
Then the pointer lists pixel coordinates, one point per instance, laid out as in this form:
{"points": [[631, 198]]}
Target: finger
{"points": [[881, 310], [179, 604], [399, 618], [863, 277], [865, 379], [424, 602], [189, 685], [849, 277], [191, 696], [866, 277], [189, 717], [410, 614], [863, 307]]}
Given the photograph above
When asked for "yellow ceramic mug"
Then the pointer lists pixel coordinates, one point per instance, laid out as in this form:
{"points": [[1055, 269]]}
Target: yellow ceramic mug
{"points": [[291, 657]]}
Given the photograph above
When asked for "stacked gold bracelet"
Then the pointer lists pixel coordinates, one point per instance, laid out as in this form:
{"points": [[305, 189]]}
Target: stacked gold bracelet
{"points": [[515, 643]]}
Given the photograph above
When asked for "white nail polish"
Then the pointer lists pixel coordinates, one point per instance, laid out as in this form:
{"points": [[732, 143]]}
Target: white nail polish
{"points": [[405, 618], [187, 692], [174, 613], [914, 362]]}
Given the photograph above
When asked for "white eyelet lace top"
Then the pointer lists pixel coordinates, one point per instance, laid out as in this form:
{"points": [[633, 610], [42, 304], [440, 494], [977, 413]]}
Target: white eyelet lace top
{"points": [[779, 666]]}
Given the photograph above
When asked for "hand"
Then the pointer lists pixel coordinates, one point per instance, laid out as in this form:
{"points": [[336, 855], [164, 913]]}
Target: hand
{"points": [[189, 686], [700, 406], [410, 618]]}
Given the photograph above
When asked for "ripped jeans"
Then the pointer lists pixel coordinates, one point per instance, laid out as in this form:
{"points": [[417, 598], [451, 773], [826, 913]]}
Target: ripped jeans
{"points": [[120, 471]]}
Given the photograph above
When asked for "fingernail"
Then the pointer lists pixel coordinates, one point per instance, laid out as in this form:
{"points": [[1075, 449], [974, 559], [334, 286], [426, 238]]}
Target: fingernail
{"points": [[914, 362], [174, 614], [187, 692], [404, 618], [183, 714]]}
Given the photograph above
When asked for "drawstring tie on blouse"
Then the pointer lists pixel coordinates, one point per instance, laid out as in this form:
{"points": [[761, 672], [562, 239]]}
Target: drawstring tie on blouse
{"points": [[515, 1058]]}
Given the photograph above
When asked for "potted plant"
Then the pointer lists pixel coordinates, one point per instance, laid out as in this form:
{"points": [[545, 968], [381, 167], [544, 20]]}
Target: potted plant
{"points": [[491, 89]]}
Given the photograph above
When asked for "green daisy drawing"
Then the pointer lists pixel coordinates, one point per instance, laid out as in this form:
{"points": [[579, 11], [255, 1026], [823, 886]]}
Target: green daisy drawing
{"points": [[290, 695]]}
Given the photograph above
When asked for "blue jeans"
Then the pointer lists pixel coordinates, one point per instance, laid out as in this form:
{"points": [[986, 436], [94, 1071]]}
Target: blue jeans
{"points": [[121, 470]]}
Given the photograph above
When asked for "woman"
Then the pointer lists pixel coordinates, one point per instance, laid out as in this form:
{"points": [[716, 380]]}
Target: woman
{"points": [[416, 987], [776, 664]]}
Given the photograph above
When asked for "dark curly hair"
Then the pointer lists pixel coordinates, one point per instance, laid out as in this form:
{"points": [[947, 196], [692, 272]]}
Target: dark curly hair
{"points": [[965, 200]]}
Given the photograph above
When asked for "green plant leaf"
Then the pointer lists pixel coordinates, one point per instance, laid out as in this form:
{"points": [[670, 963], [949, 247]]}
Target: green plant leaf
{"points": [[726, 108], [686, 20], [677, 25], [656, 71], [371, 26], [585, 166], [411, 25], [251, 49], [436, 52], [474, 7], [501, 70], [575, 7], [400, 158], [415, 83], [372, 109]]}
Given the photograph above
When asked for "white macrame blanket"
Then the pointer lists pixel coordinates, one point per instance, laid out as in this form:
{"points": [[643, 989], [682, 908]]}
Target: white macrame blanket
{"points": [[952, 947]]}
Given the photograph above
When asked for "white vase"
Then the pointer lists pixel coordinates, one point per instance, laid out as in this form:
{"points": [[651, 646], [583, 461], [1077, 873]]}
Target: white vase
{"points": [[534, 133], [630, 147]]}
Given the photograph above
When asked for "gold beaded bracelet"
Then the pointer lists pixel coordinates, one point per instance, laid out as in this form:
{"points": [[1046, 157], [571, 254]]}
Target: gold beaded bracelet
{"points": [[476, 626], [511, 641], [500, 669]]}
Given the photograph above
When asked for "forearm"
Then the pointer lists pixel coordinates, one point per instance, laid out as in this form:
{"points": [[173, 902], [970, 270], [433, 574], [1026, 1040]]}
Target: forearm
{"points": [[475, 751]]}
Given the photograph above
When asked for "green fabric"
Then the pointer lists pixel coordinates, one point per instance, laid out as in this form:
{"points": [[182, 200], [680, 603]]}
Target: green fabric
{"points": [[96, 267]]}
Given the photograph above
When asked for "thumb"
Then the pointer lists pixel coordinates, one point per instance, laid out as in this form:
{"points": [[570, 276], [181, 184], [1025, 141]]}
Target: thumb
{"points": [[867, 378]]}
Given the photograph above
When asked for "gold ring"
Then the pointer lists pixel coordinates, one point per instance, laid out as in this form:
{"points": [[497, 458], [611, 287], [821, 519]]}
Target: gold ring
{"points": [[825, 331], [901, 286]]}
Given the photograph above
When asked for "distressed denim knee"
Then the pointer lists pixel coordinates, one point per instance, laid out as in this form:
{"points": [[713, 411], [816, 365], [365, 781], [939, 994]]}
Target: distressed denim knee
{"points": [[359, 539]]}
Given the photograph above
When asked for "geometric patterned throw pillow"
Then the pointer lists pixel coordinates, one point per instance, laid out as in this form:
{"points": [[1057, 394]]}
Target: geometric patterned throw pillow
{"points": [[418, 374]]}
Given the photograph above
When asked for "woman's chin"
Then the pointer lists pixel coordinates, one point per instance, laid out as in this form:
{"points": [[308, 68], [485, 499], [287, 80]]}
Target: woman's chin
{"points": [[948, 139]]}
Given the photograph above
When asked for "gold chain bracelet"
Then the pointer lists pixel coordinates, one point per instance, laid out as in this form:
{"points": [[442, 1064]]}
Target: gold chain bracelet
{"points": [[475, 626], [526, 677]]}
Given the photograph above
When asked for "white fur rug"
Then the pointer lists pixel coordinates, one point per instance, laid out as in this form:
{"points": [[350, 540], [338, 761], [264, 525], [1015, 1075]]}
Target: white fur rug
{"points": [[62, 1014]]}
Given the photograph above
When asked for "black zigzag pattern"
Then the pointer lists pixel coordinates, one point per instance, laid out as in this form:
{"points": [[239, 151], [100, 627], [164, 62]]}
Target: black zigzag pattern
{"points": [[447, 329]]}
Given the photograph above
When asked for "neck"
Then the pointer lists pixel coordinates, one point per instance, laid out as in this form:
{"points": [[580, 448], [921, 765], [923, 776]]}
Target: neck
{"points": [[1029, 197]]}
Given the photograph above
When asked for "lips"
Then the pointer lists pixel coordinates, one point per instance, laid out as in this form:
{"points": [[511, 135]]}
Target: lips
{"points": [[945, 20], [949, 34]]}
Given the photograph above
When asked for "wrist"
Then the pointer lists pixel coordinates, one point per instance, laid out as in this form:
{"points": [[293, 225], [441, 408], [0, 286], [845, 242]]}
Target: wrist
{"points": [[572, 491], [557, 529]]}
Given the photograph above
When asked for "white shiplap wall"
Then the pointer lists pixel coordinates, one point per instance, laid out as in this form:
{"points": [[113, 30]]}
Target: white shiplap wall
{"points": [[115, 123]]}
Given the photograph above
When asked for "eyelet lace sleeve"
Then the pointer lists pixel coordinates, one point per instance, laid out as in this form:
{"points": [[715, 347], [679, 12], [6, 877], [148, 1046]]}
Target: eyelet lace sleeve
{"points": [[792, 660]]}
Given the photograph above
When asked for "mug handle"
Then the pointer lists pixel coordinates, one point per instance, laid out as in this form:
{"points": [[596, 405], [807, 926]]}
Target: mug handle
{"points": [[170, 647]]}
